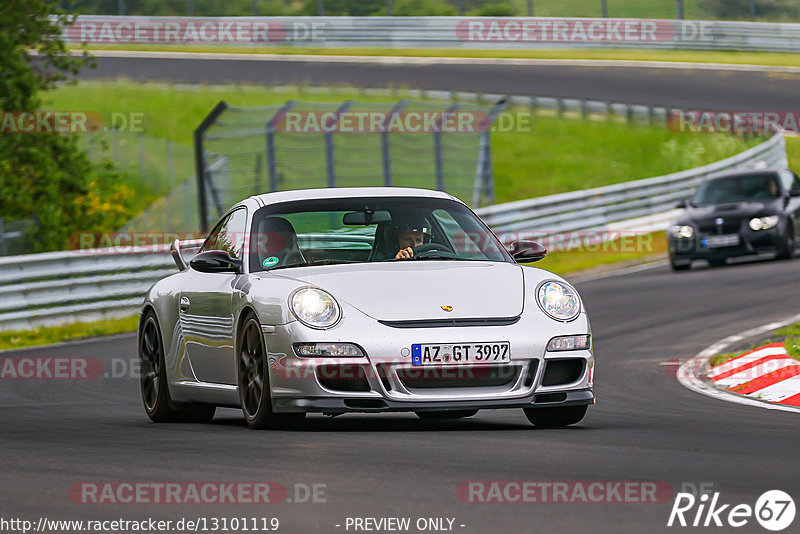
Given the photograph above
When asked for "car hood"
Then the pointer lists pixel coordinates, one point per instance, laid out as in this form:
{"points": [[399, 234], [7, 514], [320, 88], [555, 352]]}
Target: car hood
{"points": [[740, 210], [417, 290]]}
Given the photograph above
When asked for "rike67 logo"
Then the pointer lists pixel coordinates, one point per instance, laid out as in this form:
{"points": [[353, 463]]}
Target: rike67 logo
{"points": [[774, 510]]}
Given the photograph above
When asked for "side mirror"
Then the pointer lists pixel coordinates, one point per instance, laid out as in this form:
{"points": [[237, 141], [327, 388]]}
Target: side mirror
{"points": [[681, 204], [216, 261], [527, 251]]}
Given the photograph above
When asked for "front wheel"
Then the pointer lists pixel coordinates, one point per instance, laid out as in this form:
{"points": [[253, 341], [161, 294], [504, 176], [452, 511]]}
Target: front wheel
{"points": [[451, 414], [153, 380], [787, 248], [254, 390], [555, 417]]}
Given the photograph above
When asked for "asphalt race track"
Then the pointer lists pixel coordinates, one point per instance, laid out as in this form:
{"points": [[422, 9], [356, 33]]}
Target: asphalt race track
{"points": [[676, 87], [645, 427]]}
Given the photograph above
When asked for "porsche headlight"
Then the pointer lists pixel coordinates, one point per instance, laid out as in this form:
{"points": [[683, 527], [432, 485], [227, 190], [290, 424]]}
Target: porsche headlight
{"points": [[684, 231], [764, 223], [315, 308], [559, 300]]}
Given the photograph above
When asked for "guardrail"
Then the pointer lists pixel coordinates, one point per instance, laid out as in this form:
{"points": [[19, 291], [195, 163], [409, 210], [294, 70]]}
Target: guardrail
{"points": [[436, 32], [61, 287]]}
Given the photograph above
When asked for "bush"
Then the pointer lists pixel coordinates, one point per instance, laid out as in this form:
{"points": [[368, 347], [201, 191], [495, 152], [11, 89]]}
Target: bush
{"points": [[423, 8], [495, 9]]}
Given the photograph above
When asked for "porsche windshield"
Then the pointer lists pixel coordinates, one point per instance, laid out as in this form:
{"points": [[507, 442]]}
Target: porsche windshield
{"points": [[358, 230], [737, 189]]}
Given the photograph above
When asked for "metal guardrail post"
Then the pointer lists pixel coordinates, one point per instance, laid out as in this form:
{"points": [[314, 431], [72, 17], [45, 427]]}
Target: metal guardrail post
{"points": [[142, 170], [330, 156], [321, 8], [2, 238], [272, 164], [437, 147], [530, 8], [484, 175], [680, 9], [385, 149], [200, 162], [604, 8]]}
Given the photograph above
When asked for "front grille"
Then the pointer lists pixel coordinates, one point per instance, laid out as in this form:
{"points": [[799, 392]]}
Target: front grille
{"points": [[444, 323], [566, 371], [343, 377], [729, 226], [459, 376]]}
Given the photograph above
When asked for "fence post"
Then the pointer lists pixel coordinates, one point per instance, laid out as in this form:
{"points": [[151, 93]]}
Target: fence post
{"points": [[115, 143], [389, 8], [142, 171], [200, 162], [484, 179], [2, 237], [272, 165], [680, 9], [330, 156], [387, 155], [170, 164], [604, 8], [190, 8], [121, 7], [530, 8], [437, 147], [321, 8], [460, 8], [254, 7], [753, 11]]}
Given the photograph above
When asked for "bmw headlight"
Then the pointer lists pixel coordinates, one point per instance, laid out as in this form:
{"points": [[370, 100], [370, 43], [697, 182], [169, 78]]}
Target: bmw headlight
{"points": [[683, 231], [558, 300], [315, 308], [764, 223]]}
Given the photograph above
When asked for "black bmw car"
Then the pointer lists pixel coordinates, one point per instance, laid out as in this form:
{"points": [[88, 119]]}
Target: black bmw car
{"points": [[737, 214]]}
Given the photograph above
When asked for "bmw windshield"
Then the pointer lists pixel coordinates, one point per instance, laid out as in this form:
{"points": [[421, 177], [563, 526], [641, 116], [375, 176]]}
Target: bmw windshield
{"points": [[733, 189], [358, 230]]}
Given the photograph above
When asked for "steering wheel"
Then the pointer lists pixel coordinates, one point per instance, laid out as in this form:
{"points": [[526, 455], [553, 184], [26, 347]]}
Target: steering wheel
{"points": [[421, 250]]}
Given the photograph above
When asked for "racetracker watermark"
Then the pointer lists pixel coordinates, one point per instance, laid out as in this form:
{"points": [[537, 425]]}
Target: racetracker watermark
{"points": [[734, 122], [470, 122], [178, 493], [600, 241], [564, 492], [582, 30], [50, 368], [238, 30], [67, 122]]}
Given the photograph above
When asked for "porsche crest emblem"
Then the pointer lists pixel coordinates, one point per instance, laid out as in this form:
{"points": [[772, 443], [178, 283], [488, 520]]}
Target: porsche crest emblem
{"points": [[447, 308]]}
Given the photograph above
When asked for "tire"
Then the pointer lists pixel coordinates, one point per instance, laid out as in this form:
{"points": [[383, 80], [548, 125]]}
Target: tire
{"points": [[555, 417], [680, 267], [441, 416], [787, 248], [153, 380], [253, 379]]}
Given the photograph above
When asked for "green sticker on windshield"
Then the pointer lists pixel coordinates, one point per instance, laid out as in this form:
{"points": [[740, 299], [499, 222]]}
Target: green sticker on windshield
{"points": [[272, 261]]}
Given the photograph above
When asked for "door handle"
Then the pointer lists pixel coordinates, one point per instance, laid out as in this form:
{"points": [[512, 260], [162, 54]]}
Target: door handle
{"points": [[184, 304]]}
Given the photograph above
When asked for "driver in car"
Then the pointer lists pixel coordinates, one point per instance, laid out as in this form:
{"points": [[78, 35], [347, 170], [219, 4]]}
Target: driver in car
{"points": [[411, 233]]}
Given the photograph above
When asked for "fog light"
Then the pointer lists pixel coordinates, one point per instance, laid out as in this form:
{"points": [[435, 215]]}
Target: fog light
{"points": [[559, 344]]}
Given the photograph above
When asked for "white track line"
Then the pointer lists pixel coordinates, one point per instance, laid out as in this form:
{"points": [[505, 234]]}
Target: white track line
{"points": [[416, 60], [691, 372]]}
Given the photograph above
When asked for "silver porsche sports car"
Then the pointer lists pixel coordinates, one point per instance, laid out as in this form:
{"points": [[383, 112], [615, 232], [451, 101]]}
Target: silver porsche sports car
{"points": [[362, 300]]}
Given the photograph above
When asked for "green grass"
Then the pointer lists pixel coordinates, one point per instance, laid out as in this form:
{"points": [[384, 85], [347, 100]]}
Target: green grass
{"points": [[690, 56], [789, 335], [553, 155], [630, 250], [47, 335]]}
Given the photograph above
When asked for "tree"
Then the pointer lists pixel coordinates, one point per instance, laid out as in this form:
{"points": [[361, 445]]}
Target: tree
{"points": [[45, 176]]}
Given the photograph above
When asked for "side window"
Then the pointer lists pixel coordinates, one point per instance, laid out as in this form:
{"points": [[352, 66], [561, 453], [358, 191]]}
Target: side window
{"points": [[790, 181], [463, 243], [229, 234]]}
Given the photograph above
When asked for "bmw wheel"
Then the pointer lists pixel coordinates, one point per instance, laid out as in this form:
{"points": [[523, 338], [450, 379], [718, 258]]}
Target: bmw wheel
{"points": [[153, 380], [254, 390]]}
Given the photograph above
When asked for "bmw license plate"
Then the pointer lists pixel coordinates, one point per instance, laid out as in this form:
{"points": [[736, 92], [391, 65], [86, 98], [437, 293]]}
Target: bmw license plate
{"points": [[718, 241], [460, 353]]}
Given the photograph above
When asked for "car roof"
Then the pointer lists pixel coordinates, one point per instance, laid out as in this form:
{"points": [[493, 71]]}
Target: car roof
{"points": [[348, 192]]}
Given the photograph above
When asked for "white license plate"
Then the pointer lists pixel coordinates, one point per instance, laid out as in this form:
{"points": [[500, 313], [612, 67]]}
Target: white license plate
{"points": [[460, 353], [717, 241]]}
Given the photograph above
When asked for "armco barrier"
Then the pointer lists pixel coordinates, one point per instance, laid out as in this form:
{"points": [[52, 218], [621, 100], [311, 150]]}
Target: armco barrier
{"points": [[437, 32], [61, 287]]}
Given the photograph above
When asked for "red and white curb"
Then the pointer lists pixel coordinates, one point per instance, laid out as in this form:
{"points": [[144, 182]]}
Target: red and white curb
{"points": [[765, 377]]}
